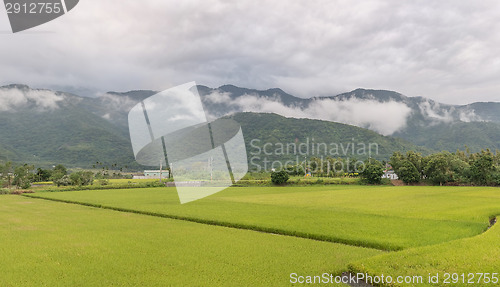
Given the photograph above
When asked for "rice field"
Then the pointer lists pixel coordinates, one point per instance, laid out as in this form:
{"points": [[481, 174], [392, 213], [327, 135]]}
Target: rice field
{"points": [[249, 235]]}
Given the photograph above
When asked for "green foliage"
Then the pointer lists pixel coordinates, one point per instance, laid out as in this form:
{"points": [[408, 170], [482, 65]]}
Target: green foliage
{"points": [[69, 135], [297, 169], [482, 169], [453, 136], [7, 171], [58, 175], [23, 176], [449, 168], [81, 178], [438, 168], [276, 130], [373, 172], [43, 175], [62, 181], [407, 172], [279, 177], [103, 181]]}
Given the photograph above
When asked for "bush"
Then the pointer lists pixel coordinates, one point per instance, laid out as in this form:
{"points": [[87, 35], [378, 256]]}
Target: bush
{"points": [[81, 178], [373, 172], [62, 181], [279, 177], [103, 181], [408, 173]]}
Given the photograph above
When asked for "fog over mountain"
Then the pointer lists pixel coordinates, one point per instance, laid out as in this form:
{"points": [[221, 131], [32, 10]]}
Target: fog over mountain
{"points": [[385, 112], [65, 126]]}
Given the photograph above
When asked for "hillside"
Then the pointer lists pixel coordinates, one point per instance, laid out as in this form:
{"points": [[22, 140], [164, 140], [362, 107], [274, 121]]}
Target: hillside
{"points": [[48, 127], [418, 120], [62, 132], [273, 130]]}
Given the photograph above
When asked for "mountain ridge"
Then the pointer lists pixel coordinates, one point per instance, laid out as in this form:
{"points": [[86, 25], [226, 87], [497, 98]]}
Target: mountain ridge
{"points": [[26, 112]]}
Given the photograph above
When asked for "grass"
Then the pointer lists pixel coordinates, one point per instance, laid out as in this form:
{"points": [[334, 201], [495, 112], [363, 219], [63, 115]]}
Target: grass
{"points": [[114, 181], [48, 243], [478, 254], [433, 230], [387, 218]]}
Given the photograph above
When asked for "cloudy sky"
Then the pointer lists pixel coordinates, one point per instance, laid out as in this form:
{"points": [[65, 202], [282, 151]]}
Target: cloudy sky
{"points": [[444, 50]]}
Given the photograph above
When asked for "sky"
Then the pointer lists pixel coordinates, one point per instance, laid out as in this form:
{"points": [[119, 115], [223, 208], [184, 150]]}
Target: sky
{"points": [[443, 50]]}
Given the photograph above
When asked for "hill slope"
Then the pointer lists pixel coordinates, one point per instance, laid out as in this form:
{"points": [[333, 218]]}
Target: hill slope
{"points": [[299, 137], [48, 127], [60, 133]]}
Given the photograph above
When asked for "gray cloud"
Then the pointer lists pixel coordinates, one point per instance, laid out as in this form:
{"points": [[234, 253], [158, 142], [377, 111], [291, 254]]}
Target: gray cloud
{"points": [[444, 50]]}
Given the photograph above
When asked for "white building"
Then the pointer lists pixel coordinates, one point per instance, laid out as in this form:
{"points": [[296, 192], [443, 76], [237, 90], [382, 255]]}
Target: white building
{"points": [[153, 174], [390, 175]]}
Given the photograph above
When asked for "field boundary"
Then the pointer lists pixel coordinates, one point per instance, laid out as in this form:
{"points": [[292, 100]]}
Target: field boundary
{"points": [[304, 235]]}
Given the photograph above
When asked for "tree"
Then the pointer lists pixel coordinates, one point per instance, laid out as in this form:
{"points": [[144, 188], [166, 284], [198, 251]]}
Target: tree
{"points": [[407, 172], [417, 160], [58, 173], [482, 169], [23, 176], [438, 169], [397, 160], [7, 173], [373, 172], [81, 178], [43, 174], [279, 177], [63, 181]]}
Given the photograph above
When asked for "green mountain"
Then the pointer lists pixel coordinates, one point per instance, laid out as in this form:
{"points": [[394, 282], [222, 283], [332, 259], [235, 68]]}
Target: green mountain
{"points": [[419, 120], [60, 133], [274, 137], [47, 127]]}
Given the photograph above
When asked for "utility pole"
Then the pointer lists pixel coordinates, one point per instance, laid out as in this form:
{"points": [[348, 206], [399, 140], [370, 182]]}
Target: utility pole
{"points": [[210, 162], [305, 166], [161, 167]]}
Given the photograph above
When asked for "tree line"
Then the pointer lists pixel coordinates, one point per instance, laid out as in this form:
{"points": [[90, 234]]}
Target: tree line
{"points": [[22, 176], [461, 167], [442, 168]]}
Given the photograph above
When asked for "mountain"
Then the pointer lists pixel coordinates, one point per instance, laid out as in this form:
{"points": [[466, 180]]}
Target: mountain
{"points": [[114, 106], [49, 127], [419, 120], [276, 138]]}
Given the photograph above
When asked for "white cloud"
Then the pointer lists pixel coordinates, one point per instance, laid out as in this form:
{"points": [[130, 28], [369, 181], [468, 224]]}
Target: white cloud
{"points": [[218, 98], [434, 111], [14, 98], [385, 118], [469, 116], [116, 102]]}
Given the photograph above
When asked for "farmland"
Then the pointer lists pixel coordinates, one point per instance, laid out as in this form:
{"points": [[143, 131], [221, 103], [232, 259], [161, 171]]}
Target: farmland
{"points": [[388, 218], [427, 229], [46, 243]]}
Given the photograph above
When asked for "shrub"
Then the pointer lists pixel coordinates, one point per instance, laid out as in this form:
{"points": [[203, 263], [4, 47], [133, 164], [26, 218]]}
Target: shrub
{"points": [[408, 173], [279, 177], [373, 172], [62, 181], [103, 181], [81, 178]]}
